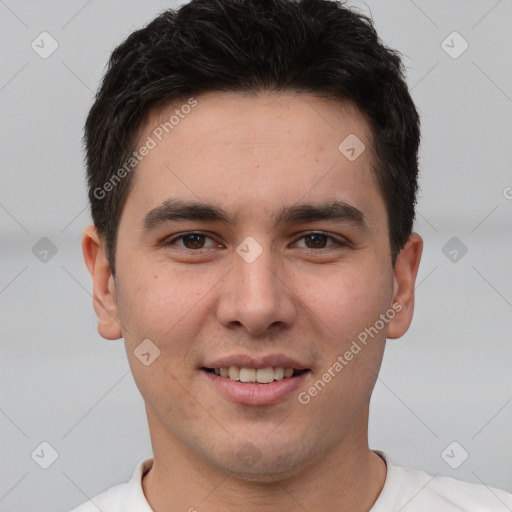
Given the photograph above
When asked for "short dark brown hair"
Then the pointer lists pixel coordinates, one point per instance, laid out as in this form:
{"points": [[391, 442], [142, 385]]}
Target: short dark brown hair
{"points": [[312, 46]]}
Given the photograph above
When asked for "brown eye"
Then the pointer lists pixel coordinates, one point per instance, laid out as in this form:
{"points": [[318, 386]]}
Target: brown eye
{"points": [[192, 241], [320, 241], [317, 241]]}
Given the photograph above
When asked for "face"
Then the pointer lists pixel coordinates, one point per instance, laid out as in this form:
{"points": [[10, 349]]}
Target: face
{"points": [[286, 264]]}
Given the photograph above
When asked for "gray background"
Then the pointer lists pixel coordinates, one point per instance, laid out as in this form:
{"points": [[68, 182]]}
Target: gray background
{"points": [[448, 379]]}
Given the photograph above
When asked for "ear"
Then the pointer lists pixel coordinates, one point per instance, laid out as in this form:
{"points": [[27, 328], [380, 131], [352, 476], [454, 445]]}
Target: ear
{"points": [[406, 269], [104, 289]]}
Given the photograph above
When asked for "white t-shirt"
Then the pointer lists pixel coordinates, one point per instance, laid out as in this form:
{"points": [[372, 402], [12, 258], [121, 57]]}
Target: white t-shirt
{"points": [[405, 490]]}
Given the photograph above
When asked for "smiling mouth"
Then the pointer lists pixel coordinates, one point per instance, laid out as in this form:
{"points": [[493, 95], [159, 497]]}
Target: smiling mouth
{"points": [[256, 376]]}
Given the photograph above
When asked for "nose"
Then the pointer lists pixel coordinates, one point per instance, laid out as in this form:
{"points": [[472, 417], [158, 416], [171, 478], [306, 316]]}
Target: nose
{"points": [[257, 296]]}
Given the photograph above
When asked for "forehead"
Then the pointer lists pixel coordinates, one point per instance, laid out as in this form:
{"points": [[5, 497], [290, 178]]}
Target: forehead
{"points": [[257, 151], [270, 118]]}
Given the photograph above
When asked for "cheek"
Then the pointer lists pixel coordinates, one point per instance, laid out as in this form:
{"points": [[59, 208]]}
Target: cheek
{"points": [[160, 310], [169, 309], [347, 300], [153, 305]]}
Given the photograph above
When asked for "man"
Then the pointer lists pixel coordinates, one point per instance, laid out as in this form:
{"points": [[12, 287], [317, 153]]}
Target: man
{"points": [[252, 170]]}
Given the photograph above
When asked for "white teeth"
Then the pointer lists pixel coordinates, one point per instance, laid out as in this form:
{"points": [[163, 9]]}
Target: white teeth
{"points": [[247, 375], [234, 373], [260, 375], [279, 373], [265, 375]]}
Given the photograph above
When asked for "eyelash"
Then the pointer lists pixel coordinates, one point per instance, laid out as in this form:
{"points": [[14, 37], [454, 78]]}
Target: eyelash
{"points": [[337, 242]]}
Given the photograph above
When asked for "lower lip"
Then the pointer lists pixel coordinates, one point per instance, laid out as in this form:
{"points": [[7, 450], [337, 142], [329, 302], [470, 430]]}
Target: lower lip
{"points": [[256, 394]]}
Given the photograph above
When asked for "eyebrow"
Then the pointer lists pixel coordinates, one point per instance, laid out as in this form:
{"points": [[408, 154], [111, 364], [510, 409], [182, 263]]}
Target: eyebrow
{"points": [[179, 210]]}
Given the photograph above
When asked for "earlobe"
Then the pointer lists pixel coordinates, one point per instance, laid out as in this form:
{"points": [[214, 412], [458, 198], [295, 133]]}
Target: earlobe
{"points": [[104, 290], [406, 270]]}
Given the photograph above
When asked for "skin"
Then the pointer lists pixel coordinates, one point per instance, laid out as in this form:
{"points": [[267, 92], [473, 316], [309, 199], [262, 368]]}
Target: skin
{"points": [[254, 155]]}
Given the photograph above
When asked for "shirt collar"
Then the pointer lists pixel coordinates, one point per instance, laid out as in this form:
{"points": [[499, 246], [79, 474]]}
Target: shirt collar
{"points": [[135, 499]]}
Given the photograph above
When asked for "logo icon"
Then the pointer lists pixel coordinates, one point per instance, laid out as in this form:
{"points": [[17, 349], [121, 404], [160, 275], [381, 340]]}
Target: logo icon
{"points": [[454, 455], [352, 147], [44, 250], [146, 352], [44, 45], [249, 454], [249, 250], [44, 455], [454, 45], [454, 249]]}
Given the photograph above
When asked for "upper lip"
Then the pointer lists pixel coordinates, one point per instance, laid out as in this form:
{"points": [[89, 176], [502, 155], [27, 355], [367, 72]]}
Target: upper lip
{"points": [[251, 361]]}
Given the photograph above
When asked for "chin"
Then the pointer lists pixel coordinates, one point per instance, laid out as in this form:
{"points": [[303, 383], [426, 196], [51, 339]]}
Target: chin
{"points": [[265, 472], [266, 463]]}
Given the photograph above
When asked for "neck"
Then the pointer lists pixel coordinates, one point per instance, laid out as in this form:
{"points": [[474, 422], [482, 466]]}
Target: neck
{"points": [[349, 477]]}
